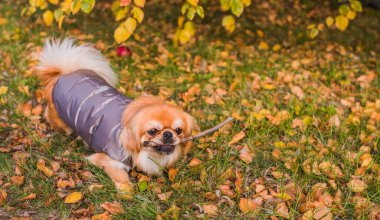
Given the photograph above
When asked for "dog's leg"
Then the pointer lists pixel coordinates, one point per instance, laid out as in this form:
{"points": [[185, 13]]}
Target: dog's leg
{"points": [[115, 170]]}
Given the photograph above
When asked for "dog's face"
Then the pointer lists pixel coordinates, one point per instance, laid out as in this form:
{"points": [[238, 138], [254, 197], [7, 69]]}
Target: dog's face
{"points": [[155, 132]]}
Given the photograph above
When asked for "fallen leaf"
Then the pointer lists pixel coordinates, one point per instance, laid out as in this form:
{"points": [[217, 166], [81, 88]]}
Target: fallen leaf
{"points": [[103, 216], [41, 166], [165, 196], [29, 197], [115, 208], [237, 137], [298, 92], [357, 185], [3, 197], [73, 197], [211, 209], [194, 162], [172, 173], [17, 180], [282, 210], [247, 205]]}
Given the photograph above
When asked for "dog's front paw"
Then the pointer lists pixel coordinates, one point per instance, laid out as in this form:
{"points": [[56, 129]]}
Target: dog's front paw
{"points": [[125, 190]]}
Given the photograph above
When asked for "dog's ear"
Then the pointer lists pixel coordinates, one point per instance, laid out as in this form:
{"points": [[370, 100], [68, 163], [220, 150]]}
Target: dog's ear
{"points": [[191, 124], [129, 140]]}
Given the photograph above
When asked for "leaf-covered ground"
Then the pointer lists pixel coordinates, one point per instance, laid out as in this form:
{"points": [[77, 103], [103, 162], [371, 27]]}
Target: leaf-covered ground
{"points": [[305, 143]]}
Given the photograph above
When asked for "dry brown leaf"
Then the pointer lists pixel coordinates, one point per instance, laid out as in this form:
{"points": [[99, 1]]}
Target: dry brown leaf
{"points": [[29, 197], [322, 212], [41, 166], [237, 137], [95, 186], [211, 209], [298, 92], [194, 162], [245, 155], [282, 210], [73, 197], [172, 173], [115, 208], [330, 169], [165, 196], [17, 180], [103, 216], [3, 197], [247, 205], [357, 185]]}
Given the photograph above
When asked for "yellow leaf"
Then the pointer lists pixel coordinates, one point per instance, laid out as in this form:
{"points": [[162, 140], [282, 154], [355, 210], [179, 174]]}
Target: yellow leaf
{"points": [[228, 23], [48, 17], [60, 21], [41, 166], [138, 14], [54, 2], [130, 25], [193, 2], [341, 22], [73, 197], [276, 47], [283, 196], [263, 45], [329, 21], [246, 2], [237, 137], [29, 197], [279, 144], [172, 173], [351, 15], [75, 6], [3, 90], [121, 14], [103, 216], [140, 3], [121, 34]]}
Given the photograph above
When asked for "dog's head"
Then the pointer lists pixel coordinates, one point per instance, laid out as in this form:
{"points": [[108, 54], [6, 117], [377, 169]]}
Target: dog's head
{"points": [[153, 130]]}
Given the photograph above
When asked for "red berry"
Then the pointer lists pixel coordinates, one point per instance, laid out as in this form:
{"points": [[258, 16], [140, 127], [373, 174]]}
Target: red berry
{"points": [[123, 51]]}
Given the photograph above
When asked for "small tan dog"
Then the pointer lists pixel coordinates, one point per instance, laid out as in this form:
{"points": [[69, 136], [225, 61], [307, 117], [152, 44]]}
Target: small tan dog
{"points": [[80, 94]]}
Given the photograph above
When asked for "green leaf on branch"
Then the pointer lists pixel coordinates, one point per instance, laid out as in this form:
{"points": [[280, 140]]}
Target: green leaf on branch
{"points": [[341, 22], [87, 5], [138, 14], [228, 23], [130, 24], [344, 9], [191, 13], [121, 34], [237, 7], [356, 5], [200, 11], [184, 8]]}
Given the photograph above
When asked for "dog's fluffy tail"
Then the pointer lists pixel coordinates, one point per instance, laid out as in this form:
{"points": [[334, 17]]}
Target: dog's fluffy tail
{"points": [[63, 57]]}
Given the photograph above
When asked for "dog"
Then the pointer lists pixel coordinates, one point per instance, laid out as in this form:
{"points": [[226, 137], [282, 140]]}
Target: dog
{"points": [[79, 88]]}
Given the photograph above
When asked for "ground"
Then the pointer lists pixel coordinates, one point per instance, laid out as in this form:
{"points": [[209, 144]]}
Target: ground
{"points": [[305, 142]]}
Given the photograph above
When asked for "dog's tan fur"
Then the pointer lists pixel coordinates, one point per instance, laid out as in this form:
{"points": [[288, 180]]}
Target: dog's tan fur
{"points": [[136, 117]]}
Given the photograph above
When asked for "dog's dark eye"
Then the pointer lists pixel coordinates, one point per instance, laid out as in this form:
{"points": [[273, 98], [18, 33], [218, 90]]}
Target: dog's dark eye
{"points": [[152, 131], [178, 130]]}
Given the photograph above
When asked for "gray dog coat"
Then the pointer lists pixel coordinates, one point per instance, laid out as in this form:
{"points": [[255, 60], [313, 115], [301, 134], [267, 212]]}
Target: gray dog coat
{"points": [[93, 109]]}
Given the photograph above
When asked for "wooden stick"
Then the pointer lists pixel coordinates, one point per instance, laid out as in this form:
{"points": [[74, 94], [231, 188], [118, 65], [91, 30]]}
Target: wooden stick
{"points": [[201, 134], [208, 131]]}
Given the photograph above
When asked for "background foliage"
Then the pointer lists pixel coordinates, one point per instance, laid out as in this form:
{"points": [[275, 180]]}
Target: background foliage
{"points": [[129, 13]]}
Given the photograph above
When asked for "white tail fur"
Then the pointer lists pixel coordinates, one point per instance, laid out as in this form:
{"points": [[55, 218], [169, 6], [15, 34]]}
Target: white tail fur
{"points": [[67, 57]]}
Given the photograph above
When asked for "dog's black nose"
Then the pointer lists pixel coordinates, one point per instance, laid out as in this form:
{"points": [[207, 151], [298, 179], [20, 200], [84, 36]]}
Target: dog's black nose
{"points": [[167, 136]]}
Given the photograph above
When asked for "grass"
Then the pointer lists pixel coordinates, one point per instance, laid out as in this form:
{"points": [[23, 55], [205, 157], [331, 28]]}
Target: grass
{"points": [[325, 75]]}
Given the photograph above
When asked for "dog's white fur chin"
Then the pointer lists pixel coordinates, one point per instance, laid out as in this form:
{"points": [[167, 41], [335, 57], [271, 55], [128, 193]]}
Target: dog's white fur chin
{"points": [[152, 163], [68, 57]]}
